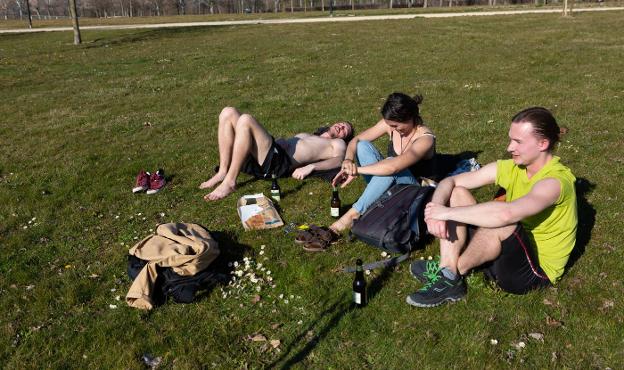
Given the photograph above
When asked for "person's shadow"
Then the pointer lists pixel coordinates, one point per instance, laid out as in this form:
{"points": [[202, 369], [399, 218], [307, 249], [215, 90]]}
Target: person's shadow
{"points": [[338, 310], [586, 220]]}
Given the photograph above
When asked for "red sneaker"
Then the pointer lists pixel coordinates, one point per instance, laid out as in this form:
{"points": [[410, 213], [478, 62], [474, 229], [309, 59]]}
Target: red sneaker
{"points": [[156, 182], [142, 182]]}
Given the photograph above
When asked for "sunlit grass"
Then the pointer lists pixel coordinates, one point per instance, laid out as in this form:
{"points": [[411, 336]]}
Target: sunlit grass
{"points": [[74, 133]]}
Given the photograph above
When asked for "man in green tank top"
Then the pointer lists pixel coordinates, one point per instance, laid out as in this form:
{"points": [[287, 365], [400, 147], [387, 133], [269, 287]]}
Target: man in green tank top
{"points": [[524, 241]]}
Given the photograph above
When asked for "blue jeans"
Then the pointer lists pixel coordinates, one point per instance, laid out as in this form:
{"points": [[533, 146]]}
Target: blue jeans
{"points": [[367, 154]]}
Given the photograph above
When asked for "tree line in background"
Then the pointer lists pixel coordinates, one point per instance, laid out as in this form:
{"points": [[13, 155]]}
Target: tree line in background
{"points": [[50, 9]]}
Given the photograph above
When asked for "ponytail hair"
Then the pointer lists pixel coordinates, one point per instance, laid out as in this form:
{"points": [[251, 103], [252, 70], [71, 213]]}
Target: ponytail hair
{"points": [[400, 107], [544, 124]]}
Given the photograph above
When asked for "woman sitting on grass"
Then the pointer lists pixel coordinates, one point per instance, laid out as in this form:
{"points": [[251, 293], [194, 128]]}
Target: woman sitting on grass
{"points": [[410, 154]]}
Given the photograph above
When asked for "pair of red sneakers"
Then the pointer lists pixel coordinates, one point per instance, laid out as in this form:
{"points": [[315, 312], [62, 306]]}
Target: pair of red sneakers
{"points": [[150, 182]]}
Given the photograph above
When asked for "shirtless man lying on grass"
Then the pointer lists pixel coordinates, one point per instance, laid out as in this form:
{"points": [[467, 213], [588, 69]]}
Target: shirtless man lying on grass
{"points": [[244, 145]]}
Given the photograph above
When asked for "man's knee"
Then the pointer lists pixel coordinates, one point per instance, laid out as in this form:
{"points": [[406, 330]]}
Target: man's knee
{"points": [[245, 122], [228, 112], [461, 197]]}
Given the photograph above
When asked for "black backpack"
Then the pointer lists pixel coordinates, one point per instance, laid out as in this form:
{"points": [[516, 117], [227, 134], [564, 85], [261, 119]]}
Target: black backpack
{"points": [[169, 284], [394, 223]]}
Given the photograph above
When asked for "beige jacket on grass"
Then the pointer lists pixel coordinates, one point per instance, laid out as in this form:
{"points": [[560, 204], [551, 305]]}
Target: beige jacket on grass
{"points": [[186, 248]]}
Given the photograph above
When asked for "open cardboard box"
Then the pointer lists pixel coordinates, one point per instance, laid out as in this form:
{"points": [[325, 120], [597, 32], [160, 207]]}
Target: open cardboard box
{"points": [[257, 212]]}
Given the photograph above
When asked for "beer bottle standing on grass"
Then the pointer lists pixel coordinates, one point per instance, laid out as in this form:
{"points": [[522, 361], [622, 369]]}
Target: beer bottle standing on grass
{"points": [[359, 286], [276, 193], [335, 203]]}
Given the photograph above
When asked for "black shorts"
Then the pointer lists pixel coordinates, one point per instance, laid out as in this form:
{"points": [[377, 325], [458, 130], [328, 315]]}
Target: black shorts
{"points": [[517, 269], [276, 162]]}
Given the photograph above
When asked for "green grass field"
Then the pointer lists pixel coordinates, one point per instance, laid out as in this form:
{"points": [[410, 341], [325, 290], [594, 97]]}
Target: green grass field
{"points": [[74, 132]]}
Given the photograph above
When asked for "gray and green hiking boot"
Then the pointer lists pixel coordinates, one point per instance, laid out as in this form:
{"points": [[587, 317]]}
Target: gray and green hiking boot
{"points": [[424, 270], [438, 290]]}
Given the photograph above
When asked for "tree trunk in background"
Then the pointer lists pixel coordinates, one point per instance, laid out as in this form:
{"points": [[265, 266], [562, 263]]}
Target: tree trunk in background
{"points": [[353, 5], [425, 4], [565, 8], [28, 14], [19, 7], [37, 11], [322, 5], [291, 6], [74, 17], [390, 5]]}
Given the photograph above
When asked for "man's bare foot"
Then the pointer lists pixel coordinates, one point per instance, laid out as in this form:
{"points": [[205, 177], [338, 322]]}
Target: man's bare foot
{"points": [[214, 180], [221, 191], [346, 221]]}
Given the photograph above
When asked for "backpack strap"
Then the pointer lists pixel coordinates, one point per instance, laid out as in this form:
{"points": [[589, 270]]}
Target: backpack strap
{"points": [[390, 262]]}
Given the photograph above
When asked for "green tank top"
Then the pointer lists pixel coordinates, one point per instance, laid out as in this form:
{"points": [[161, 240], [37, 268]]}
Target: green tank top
{"points": [[554, 229]]}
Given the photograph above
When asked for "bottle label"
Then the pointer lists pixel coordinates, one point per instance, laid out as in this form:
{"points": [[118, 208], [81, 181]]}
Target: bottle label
{"points": [[275, 194], [357, 298], [335, 212]]}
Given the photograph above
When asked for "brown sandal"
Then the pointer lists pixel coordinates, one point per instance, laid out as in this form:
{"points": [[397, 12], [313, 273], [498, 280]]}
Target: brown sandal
{"points": [[316, 245], [304, 237], [326, 234]]}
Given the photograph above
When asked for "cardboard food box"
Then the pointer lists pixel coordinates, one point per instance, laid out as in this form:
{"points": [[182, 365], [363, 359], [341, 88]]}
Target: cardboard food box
{"points": [[257, 212]]}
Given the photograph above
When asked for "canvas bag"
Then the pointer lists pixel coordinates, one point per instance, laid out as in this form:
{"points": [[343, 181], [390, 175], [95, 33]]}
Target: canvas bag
{"points": [[394, 223]]}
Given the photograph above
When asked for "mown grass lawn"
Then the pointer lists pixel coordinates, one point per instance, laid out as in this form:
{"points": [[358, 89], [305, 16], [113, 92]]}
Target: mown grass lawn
{"points": [[78, 123]]}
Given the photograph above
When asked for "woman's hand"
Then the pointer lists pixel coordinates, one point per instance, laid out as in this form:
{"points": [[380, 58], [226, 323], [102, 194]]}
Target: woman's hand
{"points": [[343, 179], [349, 167]]}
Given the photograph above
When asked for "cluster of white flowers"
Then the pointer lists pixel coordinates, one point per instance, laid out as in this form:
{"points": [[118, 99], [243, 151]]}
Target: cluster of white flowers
{"points": [[248, 277], [253, 282], [32, 222], [470, 85]]}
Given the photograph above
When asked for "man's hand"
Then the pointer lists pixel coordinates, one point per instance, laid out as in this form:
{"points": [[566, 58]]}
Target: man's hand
{"points": [[342, 179], [437, 228], [435, 218], [436, 212], [302, 172]]}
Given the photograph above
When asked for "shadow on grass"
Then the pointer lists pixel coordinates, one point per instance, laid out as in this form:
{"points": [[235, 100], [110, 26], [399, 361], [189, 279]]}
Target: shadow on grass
{"points": [[231, 250], [339, 309], [293, 190], [586, 220], [448, 163], [146, 35]]}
